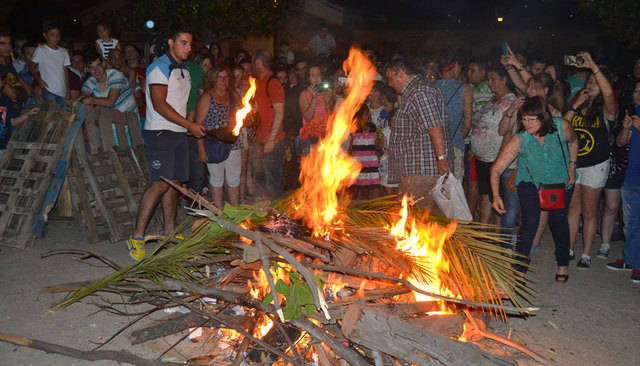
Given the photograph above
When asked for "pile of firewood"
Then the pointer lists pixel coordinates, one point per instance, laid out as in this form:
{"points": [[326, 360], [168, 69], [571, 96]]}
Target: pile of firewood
{"points": [[370, 316]]}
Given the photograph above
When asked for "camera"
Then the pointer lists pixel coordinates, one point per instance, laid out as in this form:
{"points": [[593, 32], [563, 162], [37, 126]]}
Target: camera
{"points": [[573, 60], [323, 86]]}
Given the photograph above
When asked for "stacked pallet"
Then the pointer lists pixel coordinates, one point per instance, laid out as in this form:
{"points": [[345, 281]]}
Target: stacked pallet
{"points": [[33, 170], [109, 174]]}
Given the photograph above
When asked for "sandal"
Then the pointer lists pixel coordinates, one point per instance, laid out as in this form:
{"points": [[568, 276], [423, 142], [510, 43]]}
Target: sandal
{"points": [[562, 278]]}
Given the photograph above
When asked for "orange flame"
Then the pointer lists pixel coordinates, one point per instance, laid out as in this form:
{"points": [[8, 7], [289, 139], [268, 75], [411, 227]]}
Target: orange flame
{"points": [[246, 106], [424, 242], [328, 168]]}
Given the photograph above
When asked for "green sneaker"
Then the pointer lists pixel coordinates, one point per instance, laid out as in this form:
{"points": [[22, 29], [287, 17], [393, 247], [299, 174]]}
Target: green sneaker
{"points": [[136, 248]]}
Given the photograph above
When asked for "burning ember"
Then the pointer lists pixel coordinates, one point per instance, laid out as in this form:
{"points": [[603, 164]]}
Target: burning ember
{"points": [[246, 107], [424, 242], [328, 168]]}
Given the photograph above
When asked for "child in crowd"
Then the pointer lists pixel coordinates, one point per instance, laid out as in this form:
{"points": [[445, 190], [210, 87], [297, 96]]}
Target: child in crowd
{"points": [[105, 44], [364, 148], [52, 62]]}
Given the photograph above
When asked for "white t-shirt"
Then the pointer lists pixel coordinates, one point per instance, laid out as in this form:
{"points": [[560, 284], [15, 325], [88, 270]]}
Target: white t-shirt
{"points": [[51, 64], [175, 76]]}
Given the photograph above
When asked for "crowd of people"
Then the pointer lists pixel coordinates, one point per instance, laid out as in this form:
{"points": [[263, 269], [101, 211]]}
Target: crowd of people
{"points": [[532, 141]]}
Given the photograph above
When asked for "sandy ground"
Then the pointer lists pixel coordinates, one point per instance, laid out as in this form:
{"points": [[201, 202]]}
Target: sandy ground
{"points": [[594, 319]]}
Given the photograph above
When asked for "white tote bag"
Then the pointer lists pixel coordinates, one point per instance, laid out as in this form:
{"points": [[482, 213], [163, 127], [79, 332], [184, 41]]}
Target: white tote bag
{"points": [[449, 196]]}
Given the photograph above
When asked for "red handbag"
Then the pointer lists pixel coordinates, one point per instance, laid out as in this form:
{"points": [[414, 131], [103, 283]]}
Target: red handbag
{"points": [[552, 196]]}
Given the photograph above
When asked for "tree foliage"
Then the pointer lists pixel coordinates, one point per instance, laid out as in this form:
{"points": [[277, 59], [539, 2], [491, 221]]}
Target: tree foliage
{"points": [[620, 17], [218, 17]]}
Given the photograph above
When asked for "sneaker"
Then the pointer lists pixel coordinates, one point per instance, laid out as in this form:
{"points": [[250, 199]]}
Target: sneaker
{"points": [[635, 276], [136, 248], [584, 263], [619, 265], [603, 253], [572, 255]]}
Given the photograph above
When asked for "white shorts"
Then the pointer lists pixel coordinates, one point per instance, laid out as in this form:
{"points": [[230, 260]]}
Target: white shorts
{"points": [[229, 169], [594, 176]]}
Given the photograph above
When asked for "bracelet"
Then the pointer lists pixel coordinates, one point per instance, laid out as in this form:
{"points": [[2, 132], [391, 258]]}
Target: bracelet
{"points": [[572, 162], [596, 72], [572, 109]]}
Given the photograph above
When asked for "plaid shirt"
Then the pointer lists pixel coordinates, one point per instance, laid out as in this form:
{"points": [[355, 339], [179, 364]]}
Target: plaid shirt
{"points": [[411, 150]]}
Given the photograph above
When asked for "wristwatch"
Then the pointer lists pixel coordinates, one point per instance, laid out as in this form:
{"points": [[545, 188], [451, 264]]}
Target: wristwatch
{"points": [[441, 157]]}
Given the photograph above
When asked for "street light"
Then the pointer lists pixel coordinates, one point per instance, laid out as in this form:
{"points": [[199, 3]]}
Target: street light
{"points": [[500, 19]]}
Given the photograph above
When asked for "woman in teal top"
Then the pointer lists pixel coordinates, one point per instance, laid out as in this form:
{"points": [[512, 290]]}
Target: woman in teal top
{"points": [[546, 152]]}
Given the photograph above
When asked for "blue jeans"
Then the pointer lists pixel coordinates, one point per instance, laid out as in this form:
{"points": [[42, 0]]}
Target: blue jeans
{"points": [[48, 96], [530, 207], [273, 170], [631, 208], [511, 204]]}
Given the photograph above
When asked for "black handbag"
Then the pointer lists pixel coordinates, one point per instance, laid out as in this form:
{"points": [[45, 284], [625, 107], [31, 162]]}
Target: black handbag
{"points": [[217, 151]]}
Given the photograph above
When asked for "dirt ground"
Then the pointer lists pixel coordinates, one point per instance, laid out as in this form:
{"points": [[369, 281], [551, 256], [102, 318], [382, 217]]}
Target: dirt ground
{"points": [[594, 319]]}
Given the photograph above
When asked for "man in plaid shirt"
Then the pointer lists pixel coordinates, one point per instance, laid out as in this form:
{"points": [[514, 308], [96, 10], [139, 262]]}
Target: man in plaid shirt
{"points": [[418, 144]]}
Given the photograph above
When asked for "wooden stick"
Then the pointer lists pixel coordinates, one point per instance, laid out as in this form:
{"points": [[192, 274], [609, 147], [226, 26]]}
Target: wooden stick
{"points": [[347, 353], [507, 342], [416, 289], [119, 356]]}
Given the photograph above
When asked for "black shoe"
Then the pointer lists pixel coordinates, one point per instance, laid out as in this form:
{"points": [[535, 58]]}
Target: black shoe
{"points": [[584, 263], [619, 265], [635, 276]]}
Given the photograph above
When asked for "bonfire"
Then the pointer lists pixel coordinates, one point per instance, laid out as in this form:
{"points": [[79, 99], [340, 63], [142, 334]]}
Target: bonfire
{"points": [[317, 279]]}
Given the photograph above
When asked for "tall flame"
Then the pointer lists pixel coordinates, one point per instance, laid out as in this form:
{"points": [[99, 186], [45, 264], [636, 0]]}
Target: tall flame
{"points": [[328, 168], [424, 242], [246, 106]]}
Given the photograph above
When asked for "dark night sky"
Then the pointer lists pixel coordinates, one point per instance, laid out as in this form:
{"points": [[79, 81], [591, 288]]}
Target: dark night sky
{"points": [[465, 13]]}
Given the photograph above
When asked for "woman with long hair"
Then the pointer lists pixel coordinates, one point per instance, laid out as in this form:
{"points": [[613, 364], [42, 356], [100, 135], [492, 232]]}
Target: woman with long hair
{"points": [[485, 139], [538, 139], [216, 108], [593, 110]]}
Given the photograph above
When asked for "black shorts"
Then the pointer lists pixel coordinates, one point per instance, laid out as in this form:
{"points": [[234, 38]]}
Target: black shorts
{"points": [[615, 181], [483, 170], [168, 154]]}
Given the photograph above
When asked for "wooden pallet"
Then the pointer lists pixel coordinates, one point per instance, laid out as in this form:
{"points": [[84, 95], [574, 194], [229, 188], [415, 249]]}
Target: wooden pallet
{"points": [[27, 170], [109, 174]]}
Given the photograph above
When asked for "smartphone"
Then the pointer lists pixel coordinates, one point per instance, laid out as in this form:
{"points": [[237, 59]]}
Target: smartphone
{"points": [[320, 87], [505, 48]]}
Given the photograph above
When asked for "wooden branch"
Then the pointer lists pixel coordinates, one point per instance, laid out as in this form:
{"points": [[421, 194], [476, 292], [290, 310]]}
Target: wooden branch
{"points": [[416, 289], [373, 329], [317, 293], [300, 246], [318, 333], [177, 324], [119, 356], [84, 255]]}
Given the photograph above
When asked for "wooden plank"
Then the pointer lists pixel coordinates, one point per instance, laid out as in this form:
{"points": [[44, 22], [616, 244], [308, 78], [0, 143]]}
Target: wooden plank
{"points": [[95, 187], [92, 131], [105, 125], [133, 123]]}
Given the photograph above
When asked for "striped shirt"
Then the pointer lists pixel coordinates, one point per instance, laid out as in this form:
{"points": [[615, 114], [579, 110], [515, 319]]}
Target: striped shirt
{"points": [[410, 146], [363, 149], [107, 47], [126, 102]]}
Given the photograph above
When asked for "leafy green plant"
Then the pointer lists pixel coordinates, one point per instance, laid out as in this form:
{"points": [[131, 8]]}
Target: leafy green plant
{"points": [[297, 295]]}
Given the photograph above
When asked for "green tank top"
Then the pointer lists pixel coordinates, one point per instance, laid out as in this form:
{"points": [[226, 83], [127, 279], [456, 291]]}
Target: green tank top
{"points": [[543, 164]]}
